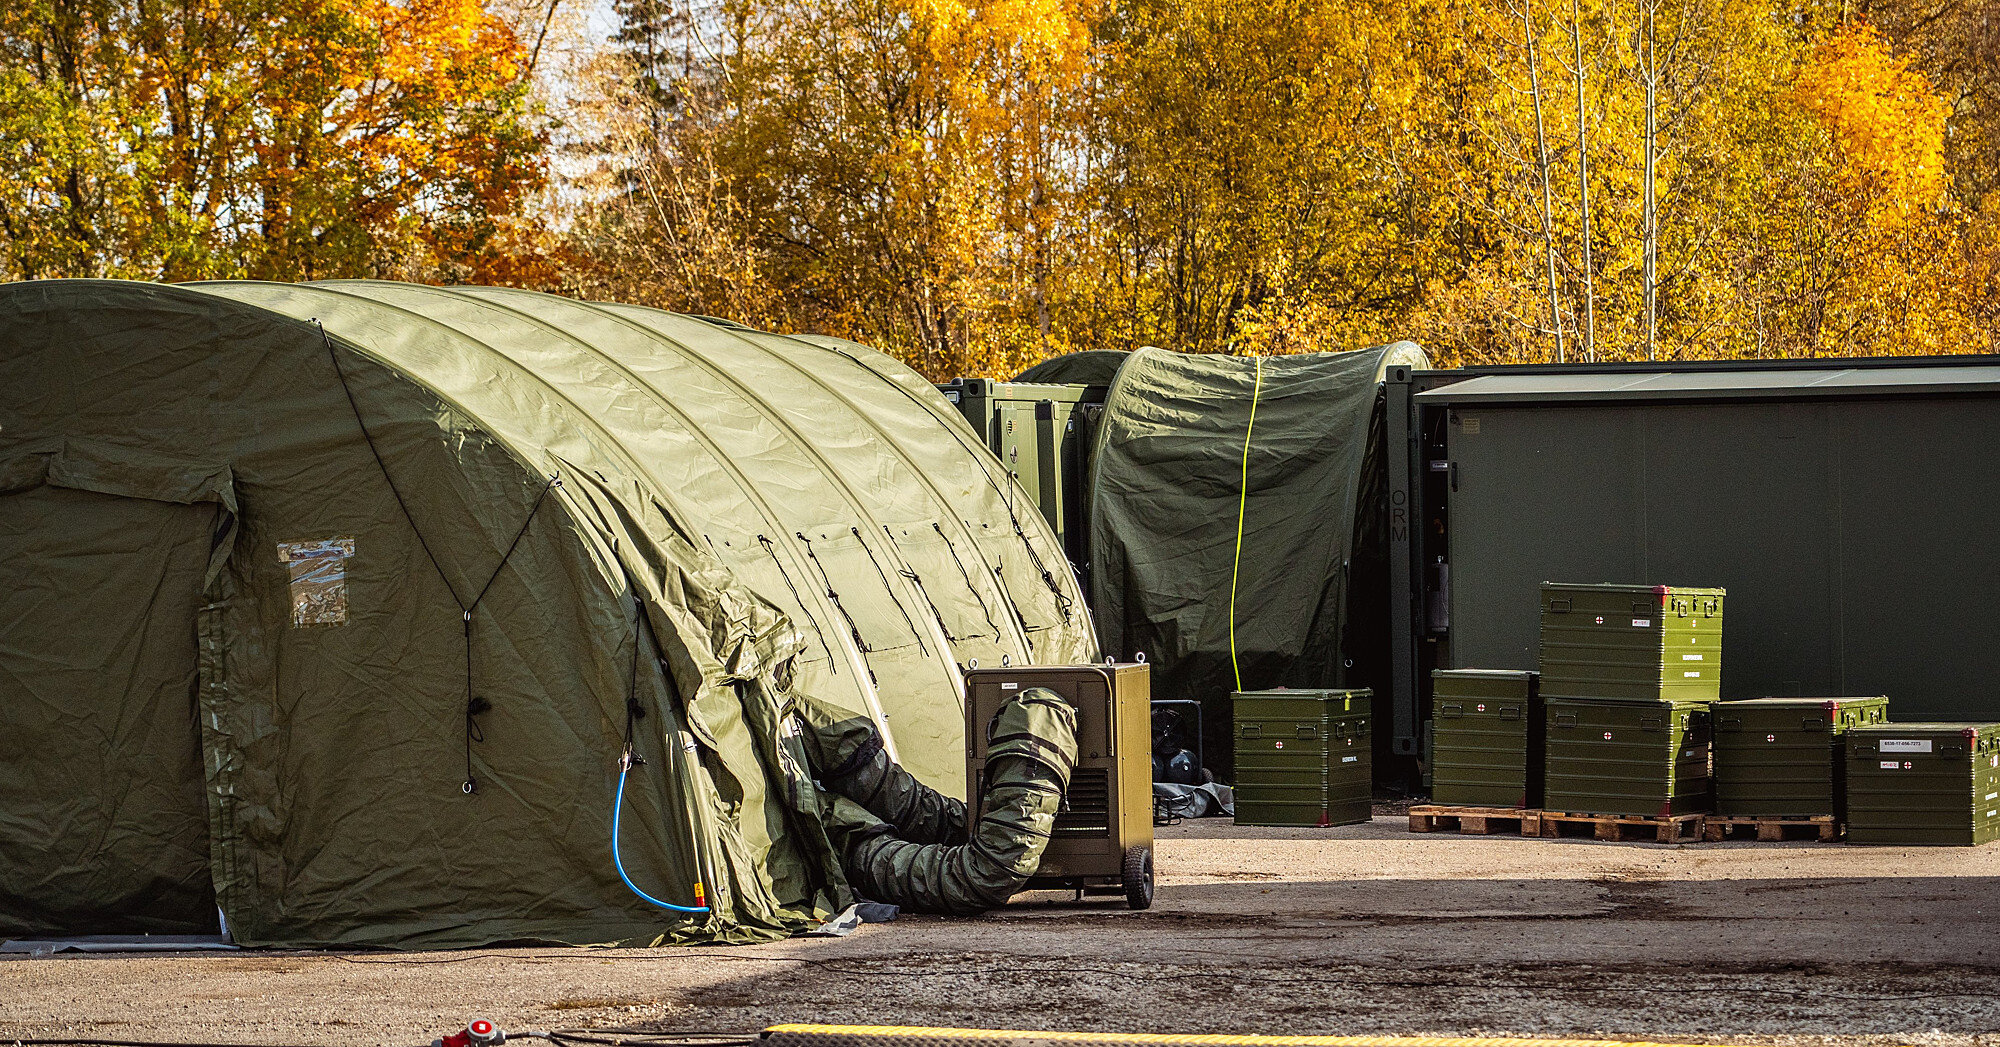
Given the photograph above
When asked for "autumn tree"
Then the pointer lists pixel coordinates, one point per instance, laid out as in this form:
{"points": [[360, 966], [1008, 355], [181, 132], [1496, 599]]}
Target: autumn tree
{"points": [[282, 139], [973, 186]]}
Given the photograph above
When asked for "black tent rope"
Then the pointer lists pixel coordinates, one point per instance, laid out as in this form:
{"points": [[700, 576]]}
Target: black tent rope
{"points": [[633, 712], [474, 705], [891, 591], [1000, 580], [969, 583], [834, 596], [910, 573], [771, 548], [1063, 603]]}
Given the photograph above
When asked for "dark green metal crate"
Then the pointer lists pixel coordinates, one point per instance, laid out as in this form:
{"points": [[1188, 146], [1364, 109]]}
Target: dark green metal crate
{"points": [[1635, 757], [1777, 757], [1486, 738], [1302, 757], [1923, 783], [1631, 641]]}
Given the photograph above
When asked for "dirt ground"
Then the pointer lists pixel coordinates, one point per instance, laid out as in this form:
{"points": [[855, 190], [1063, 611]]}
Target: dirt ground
{"points": [[1361, 929]]}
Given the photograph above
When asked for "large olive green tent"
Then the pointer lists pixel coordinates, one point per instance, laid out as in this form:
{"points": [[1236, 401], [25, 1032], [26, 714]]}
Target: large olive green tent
{"points": [[335, 606]]}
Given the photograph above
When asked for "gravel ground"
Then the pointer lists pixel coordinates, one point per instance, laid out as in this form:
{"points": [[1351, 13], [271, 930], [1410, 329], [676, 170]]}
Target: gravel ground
{"points": [[1360, 929]]}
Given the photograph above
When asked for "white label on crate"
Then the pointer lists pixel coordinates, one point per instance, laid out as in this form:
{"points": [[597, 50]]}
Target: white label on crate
{"points": [[1690, 657], [1010, 686], [1888, 765], [1904, 745], [1696, 675], [1993, 796], [1349, 759], [1642, 623]]}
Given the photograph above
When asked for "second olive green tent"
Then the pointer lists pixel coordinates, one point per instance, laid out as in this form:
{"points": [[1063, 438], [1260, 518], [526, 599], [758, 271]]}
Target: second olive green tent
{"points": [[340, 607], [1234, 511]]}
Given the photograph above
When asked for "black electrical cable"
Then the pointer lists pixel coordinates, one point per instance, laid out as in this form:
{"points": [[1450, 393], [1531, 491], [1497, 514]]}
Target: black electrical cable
{"points": [[30, 1041], [474, 705]]}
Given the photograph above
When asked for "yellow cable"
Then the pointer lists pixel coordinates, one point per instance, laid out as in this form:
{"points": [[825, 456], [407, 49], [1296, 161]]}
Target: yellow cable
{"points": [[1242, 495], [857, 1035]]}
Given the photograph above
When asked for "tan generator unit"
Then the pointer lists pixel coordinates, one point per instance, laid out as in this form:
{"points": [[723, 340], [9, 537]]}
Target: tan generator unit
{"points": [[1103, 841]]}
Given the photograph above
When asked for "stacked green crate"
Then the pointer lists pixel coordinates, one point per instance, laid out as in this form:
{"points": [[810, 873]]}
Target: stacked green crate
{"points": [[1629, 676], [1923, 783], [1783, 757], [1631, 641], [1302, 757], [1486, 738], [1627, 756]]}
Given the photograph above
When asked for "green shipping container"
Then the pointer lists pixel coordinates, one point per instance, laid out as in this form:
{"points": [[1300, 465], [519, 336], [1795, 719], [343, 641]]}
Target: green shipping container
{"points": [[1638, 757], [1784, 756], [1631, 641], [1923, 783], [1302, 757], [1486, 737]]}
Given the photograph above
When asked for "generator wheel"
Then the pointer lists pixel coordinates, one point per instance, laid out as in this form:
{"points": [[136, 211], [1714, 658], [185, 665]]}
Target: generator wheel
{"points": [[1139, 877]]}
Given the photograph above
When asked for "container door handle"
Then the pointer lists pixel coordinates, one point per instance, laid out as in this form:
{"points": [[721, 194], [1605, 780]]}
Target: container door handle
{"points": [[1449, 710]]}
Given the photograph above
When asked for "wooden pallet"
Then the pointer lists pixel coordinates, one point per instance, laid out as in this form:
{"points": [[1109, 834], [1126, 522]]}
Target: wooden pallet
{"points": [[1673, 828], [1475, 821], [1821, 827]]}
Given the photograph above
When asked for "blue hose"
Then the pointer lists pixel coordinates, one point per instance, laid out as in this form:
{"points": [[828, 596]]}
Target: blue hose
{"points": [[617, 810]]}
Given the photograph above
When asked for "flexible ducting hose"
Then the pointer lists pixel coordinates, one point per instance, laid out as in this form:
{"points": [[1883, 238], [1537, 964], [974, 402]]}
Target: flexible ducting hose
{"points": [[909, 846]]}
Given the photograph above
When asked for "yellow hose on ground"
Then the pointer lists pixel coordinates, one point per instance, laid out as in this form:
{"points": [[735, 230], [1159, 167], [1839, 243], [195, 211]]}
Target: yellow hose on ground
{"points": [[902, 1036]]}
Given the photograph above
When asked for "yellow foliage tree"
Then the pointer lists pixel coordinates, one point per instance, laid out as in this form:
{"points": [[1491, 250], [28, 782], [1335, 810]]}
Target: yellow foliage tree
{"points": [[1894, 277], [271, 138]]}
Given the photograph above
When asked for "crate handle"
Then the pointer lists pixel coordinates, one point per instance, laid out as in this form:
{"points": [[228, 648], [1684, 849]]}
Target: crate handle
{"points": [[1681, 608], [1812, 723], [1252, 730], [1565, 719], [1729, 721], [1709, 607], [1510, 712], [1450, 710], [1649, 723], [1950, 750], [1559, 605], [1307, 730], [1642, 609]]}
